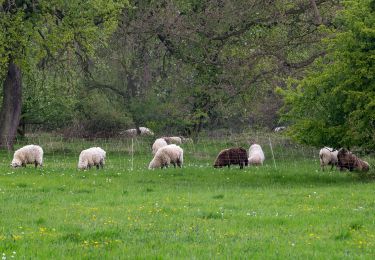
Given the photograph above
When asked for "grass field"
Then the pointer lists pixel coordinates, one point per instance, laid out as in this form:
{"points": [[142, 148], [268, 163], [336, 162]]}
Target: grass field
{"points": [[197, 212]]}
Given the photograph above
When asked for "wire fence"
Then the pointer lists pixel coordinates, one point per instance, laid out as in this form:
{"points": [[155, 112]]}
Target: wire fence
{"points": [[135, 153]]}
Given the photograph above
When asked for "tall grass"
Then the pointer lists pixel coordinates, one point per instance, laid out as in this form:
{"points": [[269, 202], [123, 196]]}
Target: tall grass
{"points": [[291, 211]]}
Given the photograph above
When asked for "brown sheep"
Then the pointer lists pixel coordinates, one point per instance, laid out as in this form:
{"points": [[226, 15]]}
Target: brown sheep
{"points": [[232, 156], [347, 160]]}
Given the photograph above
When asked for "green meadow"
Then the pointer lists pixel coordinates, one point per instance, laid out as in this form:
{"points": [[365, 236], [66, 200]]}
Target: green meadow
{"points": [[288, 210]]}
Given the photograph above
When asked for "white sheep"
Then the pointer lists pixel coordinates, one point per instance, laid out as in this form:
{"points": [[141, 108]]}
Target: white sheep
{"points": [[130, 132], [170, 154], [144, 131], [187, 140], [94, 156], [256, 155], [279, 129], [159, 143], [328, 156], [29, 154], [173, 139]]}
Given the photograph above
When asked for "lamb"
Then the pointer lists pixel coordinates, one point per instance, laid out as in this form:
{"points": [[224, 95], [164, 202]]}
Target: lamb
{"points": [[159, 143], [170, 154], [173, 139], [347, 160], [328, 156], [29, 154], [231, 156], [256, 155], [94, 156]]}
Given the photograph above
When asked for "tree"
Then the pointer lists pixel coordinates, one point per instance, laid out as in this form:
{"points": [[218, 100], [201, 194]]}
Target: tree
{"points": [[47, 32], [335, 103], [209, 63]]}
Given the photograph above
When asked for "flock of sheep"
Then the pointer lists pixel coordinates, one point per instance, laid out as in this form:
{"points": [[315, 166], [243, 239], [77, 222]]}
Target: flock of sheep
{"points": [[33, 154], [166, 151], [342, 158]]}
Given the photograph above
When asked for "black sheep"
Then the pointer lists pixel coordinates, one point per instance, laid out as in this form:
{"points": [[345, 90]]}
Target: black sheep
{"points": [[232, 156]]}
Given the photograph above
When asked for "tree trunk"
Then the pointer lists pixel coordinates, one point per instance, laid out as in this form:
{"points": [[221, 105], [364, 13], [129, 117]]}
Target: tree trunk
{"points": [[11, 108]]}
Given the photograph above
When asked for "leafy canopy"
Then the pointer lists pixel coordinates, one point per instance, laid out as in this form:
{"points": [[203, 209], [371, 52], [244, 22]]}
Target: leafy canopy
{"points": [[51, 30], [335, 103]]}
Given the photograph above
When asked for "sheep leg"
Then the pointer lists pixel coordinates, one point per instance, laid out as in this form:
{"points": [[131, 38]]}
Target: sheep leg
{"points": [[97, 166], [241, 165], [36, 164]]}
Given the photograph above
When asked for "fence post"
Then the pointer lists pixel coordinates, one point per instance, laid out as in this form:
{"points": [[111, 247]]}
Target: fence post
{"points": [[132, 155], [273, 156]]}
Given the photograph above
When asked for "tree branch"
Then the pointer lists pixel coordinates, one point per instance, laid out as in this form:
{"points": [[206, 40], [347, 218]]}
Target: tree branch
{"points": [[97, 85]]}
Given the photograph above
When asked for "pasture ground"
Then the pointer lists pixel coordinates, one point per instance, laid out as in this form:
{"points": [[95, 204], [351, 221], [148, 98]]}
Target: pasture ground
{"points": [[293, 211]]}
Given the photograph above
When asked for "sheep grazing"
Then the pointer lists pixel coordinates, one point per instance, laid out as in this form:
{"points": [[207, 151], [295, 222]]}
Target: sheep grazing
{"points": [[187, 140], [279, 129], [347, 160], [144, 131], [173, 139], [328, 156], [159, 143], [170, 154], [256, 155], [29, 154], [94, 156], [231, 156]]}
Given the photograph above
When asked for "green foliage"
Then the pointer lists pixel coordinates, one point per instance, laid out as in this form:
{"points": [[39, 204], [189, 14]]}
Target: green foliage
{"points": [[53, 42], [335, 103], [49, 99], [181, 66], [100, 116], [187, 65]]}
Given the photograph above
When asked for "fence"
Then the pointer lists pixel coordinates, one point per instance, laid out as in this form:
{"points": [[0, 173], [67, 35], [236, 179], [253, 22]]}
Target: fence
{"points": [[135, 153]]}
